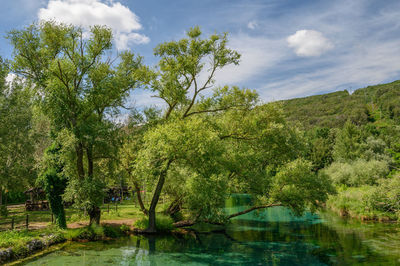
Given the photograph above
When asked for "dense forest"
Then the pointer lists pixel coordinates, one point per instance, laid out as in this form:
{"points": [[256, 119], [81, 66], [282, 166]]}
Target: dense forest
{"points": [[58, 131]]}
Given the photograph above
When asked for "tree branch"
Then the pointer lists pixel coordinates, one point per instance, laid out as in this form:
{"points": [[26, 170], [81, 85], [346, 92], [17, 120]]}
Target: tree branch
{"points": [[254, 208]]}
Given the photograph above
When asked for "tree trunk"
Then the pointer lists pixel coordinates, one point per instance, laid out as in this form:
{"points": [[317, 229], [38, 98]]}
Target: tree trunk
{"points": [[139, 197], [89, 153], [1, 196], [79, 160], [174, 207], [94, 215], [157, 192], [254, 208]]}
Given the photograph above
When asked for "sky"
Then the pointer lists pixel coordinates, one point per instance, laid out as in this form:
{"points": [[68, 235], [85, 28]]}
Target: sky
{"points": [[289, 48]]}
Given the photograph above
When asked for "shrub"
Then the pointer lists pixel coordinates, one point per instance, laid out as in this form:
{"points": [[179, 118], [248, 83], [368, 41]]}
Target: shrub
{"points": [[92, 232], [386, 196], [357, 173], [163, 223], [367, 202], [111, 231], [3, 211], [125, 229]]}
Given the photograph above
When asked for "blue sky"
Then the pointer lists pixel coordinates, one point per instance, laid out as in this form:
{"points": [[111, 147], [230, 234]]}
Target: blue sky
{"points": [[289, 48]]}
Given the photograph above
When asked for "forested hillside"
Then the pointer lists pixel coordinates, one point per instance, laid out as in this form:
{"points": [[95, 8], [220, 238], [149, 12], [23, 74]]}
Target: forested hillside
{"points": [[334, 109], [354, 141]]}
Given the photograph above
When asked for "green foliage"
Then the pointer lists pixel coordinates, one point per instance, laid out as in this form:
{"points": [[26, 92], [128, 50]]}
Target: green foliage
{"points": [[297, 187], [125, 228], [368, 202], [357, 173], [92, 188], [375, 104], [163, 223], [16, 139], [18, 239], [54, 183], [321, 147], [348, 143], [94, 232], [78, 88], [386, 197], [3, 211]]}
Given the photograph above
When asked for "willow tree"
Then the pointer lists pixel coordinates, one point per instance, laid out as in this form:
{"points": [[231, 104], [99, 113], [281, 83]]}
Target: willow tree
{"points": [[213, 141], [78, 86]]}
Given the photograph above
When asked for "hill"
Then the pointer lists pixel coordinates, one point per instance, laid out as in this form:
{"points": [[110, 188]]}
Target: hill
{"points": [[332, 110]]}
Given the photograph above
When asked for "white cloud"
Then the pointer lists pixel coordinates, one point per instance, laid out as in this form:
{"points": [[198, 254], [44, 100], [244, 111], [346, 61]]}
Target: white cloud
{"points": [[378, 63], [257, 55], [309, 43], [252, 25], [86, 13]]}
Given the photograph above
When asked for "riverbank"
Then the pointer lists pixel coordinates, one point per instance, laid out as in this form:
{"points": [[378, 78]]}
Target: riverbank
{"points": [[17, 245], [270, 237], [360, 203]]}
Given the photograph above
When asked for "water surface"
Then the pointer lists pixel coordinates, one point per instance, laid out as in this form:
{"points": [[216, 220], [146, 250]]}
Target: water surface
{"points": [[267, 237]]}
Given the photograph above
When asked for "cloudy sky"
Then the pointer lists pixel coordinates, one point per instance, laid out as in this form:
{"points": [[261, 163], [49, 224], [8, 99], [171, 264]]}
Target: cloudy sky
{"points": [[289, 48]]}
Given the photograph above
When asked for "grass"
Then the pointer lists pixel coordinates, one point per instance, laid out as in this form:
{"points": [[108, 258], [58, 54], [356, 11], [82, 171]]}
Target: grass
{"points": [[163, 223], [128, 209], [22, 244], [354, 202], [95, 232], [19, 238]]}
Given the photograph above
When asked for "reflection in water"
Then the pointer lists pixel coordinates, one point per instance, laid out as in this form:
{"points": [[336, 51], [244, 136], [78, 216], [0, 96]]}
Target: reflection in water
{"points": [[268, 237]]}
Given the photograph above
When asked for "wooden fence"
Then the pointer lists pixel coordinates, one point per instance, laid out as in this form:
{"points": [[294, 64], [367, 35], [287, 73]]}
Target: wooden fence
{"points": [[15, 223], [22, 222]]}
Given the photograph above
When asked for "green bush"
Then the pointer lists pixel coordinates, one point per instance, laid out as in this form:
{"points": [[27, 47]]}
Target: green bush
{"points": [[95, 232], [3, 211], [386, 196], [112, 231], [125, 229], [92, 232], [363, 202], [14, 238], [163, 223], [357, 173]]}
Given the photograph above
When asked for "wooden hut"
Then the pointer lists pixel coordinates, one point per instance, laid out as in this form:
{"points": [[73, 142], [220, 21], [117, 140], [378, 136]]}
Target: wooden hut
{"points": [[35, 201]]}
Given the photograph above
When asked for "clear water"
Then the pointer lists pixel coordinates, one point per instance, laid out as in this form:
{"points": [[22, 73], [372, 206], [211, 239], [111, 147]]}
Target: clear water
{"points": [[267, 237]]}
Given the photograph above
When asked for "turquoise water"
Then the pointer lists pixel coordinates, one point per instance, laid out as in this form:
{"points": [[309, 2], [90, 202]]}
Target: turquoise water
{"points": [[267, 237]]}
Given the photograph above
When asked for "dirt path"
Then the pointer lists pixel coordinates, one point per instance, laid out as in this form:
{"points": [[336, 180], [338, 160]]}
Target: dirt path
{"points": [[128, 222]]}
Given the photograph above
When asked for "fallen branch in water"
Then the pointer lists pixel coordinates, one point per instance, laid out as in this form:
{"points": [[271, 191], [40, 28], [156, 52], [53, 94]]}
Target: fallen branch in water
{"points": [[186, 223]]}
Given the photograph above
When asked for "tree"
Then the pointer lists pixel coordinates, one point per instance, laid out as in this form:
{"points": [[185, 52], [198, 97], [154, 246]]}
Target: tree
{"points": [[177, 83], [16, 145], [78, 88], [54, 183], [208, 145], [321, 142], [347, 143]]}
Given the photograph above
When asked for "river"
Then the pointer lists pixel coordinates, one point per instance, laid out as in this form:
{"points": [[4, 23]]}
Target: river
{"points": [[267, 237]]}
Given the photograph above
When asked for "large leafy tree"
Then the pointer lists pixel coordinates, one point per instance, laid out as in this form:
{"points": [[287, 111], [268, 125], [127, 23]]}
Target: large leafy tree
{"points": [[16, 145], [213, 141], [78, 86]]}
